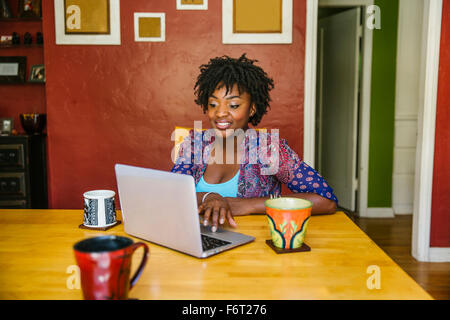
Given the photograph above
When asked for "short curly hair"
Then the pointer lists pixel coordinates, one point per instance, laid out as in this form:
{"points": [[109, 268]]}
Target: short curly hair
{"points": [[226, 71]]}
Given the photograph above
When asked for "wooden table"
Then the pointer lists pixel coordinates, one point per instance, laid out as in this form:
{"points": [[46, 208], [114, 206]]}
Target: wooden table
{"points": [[36, 257]]}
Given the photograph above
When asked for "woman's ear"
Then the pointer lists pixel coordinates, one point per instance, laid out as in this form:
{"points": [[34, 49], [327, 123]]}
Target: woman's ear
{"points": [[252, 110]]}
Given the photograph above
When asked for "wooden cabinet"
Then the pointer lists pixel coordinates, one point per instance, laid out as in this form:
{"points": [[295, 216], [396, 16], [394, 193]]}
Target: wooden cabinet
{"points": [[23, 172]]}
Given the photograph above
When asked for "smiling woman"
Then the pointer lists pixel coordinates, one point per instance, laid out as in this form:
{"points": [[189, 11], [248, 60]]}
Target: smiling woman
{"points": [[235, 93], [229, 109]]}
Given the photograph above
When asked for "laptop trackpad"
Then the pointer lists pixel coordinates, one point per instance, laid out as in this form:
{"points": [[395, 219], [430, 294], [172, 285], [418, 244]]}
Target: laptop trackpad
{"points": [[224, 234]]}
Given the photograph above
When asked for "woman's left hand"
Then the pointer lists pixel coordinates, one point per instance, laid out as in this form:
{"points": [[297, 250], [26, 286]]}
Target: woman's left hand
{"points": [[239, 206]]}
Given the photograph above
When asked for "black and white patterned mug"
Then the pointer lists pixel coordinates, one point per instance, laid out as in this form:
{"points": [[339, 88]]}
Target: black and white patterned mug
{"points": [[99, 208]]}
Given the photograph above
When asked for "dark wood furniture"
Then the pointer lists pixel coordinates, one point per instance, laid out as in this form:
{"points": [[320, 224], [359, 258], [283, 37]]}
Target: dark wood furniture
{"points": [[23, 172]]}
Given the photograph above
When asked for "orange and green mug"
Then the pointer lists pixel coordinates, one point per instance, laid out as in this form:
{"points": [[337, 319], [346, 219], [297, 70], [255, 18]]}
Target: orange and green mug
{"points": [[288, 220]]}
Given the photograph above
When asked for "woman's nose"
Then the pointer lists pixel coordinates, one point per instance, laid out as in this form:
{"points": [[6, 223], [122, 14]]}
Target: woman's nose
{"points": [[222, 110]]}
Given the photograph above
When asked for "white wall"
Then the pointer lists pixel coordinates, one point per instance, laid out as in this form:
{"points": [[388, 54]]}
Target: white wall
{"points": [[345, 3], [407, 104]]}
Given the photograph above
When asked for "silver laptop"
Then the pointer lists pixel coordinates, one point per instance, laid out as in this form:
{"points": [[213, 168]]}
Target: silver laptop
{"points": [[161, 207]]}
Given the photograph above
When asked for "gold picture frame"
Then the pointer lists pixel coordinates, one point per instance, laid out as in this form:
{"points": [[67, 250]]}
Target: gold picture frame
{"points": [[257, 21], [95, 17], [149, 27], [257, 16], [192, 4], [87, 22]]}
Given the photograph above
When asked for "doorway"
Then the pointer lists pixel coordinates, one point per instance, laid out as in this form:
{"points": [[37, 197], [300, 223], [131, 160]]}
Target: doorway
{"points": [[338, 100], [429, 66]]}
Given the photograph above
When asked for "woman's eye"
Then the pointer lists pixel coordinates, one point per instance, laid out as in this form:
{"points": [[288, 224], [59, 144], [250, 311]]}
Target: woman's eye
{"points": [[234, 106], [212, 105]]}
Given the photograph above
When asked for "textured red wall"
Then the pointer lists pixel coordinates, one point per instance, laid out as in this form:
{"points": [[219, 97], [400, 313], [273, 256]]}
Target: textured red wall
{"points": [[440, 214], [110, 104]]}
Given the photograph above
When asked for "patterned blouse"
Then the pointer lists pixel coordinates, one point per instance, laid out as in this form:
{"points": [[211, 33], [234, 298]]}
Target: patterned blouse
{"points": [[262, 172]]}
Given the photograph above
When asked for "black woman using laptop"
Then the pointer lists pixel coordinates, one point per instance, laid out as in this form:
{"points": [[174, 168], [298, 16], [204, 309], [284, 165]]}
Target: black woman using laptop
{"points": [[232, 179]]}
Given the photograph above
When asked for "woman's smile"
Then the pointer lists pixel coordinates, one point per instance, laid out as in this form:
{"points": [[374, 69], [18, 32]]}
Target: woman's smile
{"points": [[223, 124]]}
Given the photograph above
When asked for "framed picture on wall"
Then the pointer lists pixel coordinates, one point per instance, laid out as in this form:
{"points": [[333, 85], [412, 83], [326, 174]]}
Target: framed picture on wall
{"points": [[257, 21], [87, 22], [30, 8], [6, 125], [12, 69], [192, 4], [37, 73], [149, 26]]}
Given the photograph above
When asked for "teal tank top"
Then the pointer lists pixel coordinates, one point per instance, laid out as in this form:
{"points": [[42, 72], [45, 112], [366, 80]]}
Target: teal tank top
{"points": [[226, 189]]}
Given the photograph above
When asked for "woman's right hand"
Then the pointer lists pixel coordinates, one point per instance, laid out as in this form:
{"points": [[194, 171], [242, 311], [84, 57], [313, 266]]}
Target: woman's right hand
{"points": [[216, 211]]}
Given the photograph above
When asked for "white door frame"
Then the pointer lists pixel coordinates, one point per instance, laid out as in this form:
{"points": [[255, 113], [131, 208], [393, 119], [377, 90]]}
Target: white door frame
{"points": [[423, 184], [312, 8]]}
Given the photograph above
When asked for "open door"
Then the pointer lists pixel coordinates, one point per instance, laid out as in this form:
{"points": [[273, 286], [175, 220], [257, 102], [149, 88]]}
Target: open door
{"points": [[337, 103]]}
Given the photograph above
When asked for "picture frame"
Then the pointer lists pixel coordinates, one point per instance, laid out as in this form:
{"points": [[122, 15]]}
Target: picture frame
{"points": [[6, 126], [37, 73], [12, 69], [192, 4], [149, 26], [85, 22], [248, 11], [30, 8]]}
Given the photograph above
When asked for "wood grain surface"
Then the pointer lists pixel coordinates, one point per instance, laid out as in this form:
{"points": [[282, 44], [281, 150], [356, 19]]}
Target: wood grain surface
{"points": [[394, 235], [36, 255]]}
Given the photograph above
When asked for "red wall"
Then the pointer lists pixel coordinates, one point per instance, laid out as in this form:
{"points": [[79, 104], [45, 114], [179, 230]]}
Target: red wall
{"points": [[110, 104], [22, 98], [440, 214]]}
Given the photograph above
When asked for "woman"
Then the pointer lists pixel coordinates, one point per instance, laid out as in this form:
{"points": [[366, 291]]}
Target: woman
{"points": [[234, 93]]}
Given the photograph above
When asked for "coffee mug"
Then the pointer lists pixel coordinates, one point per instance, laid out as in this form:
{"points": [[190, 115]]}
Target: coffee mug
{"points": [[288, 220], [99, 208], [105, 264]]}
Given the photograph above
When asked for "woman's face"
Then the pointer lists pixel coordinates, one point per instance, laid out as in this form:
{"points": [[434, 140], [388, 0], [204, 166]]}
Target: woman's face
{"points": [[229, 110]]}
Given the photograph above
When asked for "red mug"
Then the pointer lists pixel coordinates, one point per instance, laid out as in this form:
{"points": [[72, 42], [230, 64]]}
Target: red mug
{"points": [[105, 264]]}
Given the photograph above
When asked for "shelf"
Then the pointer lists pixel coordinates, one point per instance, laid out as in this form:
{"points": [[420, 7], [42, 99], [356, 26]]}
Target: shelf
{"points": [[21, 83], [16, 19], [20, 46]]}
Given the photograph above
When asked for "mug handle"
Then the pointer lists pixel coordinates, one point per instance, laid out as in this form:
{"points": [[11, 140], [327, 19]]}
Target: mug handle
{"points": [[139, 270]]}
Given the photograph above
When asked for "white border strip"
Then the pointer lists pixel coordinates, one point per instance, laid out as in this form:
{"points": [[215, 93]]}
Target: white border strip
{"points": [[345, 3], [203, 6], [439, 254], [423, 187], [309, 110], [364, 125], [67, 39], [379, 213], [228, 37], [138, 15]]}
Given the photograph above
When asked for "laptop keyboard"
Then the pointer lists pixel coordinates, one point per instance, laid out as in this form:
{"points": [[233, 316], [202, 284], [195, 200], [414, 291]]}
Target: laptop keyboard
{"points": [[209, 243]]}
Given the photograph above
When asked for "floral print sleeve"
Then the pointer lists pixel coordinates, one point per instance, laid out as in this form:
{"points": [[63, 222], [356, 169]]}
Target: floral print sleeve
{"points": [[300, 177], [184, 162]]}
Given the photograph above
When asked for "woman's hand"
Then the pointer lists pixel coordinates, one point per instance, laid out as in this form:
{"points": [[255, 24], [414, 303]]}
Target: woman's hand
{"points": [[216, 208], [242, 207]]}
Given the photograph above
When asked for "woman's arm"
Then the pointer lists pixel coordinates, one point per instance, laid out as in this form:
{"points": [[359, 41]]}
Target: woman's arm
{"points": [[218, 210], [242, 206], [304, 181]]}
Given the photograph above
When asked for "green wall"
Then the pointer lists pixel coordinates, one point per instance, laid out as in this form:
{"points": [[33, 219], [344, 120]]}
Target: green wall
{"points": [[382, 110]]}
